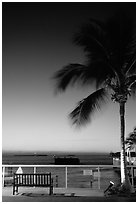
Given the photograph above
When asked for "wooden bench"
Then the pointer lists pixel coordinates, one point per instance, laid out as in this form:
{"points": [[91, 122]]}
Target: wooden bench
{"points": [[32, 180]]}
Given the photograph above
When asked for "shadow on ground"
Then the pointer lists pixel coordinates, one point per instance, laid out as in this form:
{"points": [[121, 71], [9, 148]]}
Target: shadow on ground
{"points": [[34, 197]]}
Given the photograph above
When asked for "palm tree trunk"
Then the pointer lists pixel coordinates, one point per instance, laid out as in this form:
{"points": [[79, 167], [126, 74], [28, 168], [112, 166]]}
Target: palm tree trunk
{"points": [[124, 176]]}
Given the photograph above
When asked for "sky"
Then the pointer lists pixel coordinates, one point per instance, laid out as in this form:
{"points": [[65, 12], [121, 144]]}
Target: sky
{"points": [[36, 42]]}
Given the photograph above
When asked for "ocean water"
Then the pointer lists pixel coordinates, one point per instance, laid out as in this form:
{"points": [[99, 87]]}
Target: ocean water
{"points": [[44, 159], [75, 175]]}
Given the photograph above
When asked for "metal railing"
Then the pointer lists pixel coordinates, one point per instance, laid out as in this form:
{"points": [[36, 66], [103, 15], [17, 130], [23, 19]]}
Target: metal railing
{"points": [[84, 176]]}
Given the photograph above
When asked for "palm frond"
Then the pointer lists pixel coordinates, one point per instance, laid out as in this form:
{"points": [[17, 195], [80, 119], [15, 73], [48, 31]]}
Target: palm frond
{"points": [[131, 65], [130, 49], [92, 37], [100, 70], [130, 80], [121, 35], [121, 29], [94, 72], [132, 135], [81, 114], [130, 83], [69, 75], [133, 89], [131, 139]]}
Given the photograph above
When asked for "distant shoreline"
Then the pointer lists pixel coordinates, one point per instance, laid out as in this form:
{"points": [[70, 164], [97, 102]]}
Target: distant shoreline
{"points": [[52, 152]]}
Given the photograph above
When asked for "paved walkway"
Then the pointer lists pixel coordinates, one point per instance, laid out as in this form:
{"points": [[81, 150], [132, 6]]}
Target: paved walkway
{"points": [[60, 195]]}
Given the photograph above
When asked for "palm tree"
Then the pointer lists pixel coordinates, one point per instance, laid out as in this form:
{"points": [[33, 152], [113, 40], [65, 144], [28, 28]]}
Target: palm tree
{"points": [[110, 51], [131, 142], [131, 139]]}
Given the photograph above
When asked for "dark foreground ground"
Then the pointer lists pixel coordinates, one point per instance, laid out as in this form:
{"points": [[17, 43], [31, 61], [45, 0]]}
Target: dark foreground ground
{"points": [[54, 198], [68, 199], [32, 194]]}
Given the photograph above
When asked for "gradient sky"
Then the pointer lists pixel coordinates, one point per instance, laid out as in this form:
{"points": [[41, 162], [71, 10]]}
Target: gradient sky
{"points": [[37, 41]]}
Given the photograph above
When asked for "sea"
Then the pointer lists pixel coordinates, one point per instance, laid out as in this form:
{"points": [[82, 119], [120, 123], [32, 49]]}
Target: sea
{"points": [[48, 158], [77, 177]]}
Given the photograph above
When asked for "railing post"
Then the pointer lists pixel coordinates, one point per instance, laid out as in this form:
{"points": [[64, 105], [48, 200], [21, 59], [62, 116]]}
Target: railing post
{"points": [[132, 176], [66, 177], [3, 176], [56, 181], [34, 169], [98, 178], [34, 173]]}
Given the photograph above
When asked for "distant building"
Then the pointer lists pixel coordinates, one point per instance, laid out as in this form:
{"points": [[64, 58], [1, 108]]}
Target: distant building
{"points": [[116, 158], [68, 160]]}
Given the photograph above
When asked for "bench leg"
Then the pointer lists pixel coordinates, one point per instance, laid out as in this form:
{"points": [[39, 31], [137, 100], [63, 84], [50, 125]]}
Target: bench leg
{"points": [[51, 187], [17, 189], [51, 191], [13, 189]]}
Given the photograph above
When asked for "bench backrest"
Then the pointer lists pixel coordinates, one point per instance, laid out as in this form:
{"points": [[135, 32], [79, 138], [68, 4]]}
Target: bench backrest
{"points": [[32, 179]]}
